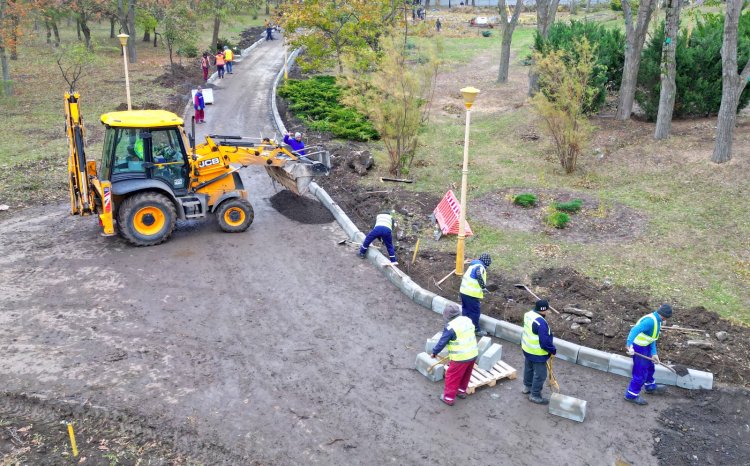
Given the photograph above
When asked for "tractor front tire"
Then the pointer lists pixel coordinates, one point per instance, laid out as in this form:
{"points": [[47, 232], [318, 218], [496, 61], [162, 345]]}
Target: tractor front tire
{"points": [[146, 219], [235, 215]]}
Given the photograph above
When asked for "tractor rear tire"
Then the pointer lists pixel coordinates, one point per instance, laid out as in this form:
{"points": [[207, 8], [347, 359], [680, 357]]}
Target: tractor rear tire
{"points": [[146, 219], [235, 215]]}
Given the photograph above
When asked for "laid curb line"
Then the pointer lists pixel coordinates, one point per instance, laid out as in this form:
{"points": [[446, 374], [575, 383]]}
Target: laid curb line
{"points": [[567, 351]]}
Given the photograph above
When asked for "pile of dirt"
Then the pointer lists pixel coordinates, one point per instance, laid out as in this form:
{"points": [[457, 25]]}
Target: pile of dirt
{"points": [[721, 348], [688, 432], [250, 36], [301, 209], [182, 79], [33, 432]]}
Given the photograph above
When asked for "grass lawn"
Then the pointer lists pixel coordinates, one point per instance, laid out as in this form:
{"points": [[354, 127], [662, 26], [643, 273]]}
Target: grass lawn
{"points": [[33, 147]]}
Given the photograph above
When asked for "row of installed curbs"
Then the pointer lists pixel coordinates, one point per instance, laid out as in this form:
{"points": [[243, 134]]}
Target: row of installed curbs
{"points": [[567, 351]]}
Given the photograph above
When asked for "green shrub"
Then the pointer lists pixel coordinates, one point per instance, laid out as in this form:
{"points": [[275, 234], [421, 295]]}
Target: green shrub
{"points": [[572, 207], [525, 200], [317, 101], [557, 219], [486, 33], [609, 51], [698, 76], [187, 51], [224, 42], [616, 5]]}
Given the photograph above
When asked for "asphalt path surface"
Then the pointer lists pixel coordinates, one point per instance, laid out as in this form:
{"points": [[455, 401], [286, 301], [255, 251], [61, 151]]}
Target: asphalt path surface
{"points": [[276, 344]]}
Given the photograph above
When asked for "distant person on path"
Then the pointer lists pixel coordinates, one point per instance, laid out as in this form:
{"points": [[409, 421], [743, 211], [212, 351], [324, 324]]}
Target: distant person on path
{"points": [[297, 145], [473, 286], [205, 65], [383, 230], [220, 61], [269, 32], [199, 105], [229, 58], [438, 25], [458, 336], [642, 340], [537, 344]]}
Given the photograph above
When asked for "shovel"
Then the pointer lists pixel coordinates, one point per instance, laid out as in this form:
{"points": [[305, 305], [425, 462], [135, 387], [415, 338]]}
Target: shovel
{"points": [[521, 286], [563, 405], [677, 369], [442, 360]]}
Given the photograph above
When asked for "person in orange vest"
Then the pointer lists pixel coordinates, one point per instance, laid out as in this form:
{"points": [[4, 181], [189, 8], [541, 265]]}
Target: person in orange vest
{"points": [[220, 62], [229, 57]]}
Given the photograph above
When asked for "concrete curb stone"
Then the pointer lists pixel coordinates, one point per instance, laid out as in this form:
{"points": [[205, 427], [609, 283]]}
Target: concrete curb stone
{"points": [[423, 363], [509, 332], [696, 380], [566, 350], [490, 357], [593, 358], [620, 365]]}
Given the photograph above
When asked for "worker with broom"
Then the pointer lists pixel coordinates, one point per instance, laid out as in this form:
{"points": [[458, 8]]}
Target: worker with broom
{"points": [[384, 226], [642, 340], [537, 345], [473, 286], [458, 336]]}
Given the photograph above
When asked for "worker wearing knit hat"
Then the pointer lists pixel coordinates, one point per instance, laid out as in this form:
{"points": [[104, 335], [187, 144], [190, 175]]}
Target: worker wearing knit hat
{"points": [[537, 345], [642, 340], [458, 337]]}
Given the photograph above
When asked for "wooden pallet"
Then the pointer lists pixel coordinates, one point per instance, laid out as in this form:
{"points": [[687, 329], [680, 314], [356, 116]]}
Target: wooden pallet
{"points": [[480, 377]]}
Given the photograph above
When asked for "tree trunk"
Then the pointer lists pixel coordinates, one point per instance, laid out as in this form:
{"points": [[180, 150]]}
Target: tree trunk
{"points": [[15, 24], [588, 6], [507, 26], [78, 29], [49, 31], [268, 7], [732, 84], [131, 27], [146, 35], [156, 35], [668, 71], [215, 36], [545, 16], [86, 31], [634, 38], [56, 32], [7, 84], [112, 21], [573, 6]]}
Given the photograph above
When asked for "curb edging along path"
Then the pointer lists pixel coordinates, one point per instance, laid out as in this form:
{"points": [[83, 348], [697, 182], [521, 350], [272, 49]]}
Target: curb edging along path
{"points": [[568, 351]]}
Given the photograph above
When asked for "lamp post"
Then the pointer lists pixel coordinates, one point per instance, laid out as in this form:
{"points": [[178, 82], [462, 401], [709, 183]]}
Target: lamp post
{"points": [[286, 74], [124, 42], [469, 94]]}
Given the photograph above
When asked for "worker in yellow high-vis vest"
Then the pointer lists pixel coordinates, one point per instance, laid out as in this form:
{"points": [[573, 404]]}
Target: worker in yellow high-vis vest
{"points": [[537, 345], [229, 58], [458, 337], [473, 286]]}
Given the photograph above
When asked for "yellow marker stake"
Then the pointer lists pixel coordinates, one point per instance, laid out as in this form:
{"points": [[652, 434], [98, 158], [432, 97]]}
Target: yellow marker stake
{"points": [[414, 256], [72, 439]]}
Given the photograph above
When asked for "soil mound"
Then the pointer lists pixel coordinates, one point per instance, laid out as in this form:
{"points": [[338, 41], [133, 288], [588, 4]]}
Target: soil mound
{"points": [[301, 209]]}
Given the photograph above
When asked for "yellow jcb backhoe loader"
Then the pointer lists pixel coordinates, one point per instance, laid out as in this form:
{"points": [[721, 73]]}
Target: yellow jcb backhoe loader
{"points": [[151, 175]]}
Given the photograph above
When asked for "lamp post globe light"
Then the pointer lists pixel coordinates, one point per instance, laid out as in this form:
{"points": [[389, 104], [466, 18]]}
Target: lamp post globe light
{"points": [[469, 94], [124, 43]]}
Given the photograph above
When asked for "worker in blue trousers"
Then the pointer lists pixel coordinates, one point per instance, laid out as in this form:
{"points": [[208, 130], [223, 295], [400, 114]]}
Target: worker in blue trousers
{"points": [[642, 340], [384, 226], [537, 344], [473, 286]]}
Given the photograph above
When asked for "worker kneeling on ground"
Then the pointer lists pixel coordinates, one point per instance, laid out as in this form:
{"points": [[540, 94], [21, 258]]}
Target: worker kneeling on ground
{"points": [[458, 336], [473, 286], [642, 340], [537, 344], [384, 226]]}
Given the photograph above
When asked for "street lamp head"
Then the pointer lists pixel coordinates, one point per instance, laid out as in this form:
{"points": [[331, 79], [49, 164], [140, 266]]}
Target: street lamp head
{"points": [[123, 39], [469, 94]]}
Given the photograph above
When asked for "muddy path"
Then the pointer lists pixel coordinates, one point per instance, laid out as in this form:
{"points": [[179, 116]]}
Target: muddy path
{"points": [[274, 346]]}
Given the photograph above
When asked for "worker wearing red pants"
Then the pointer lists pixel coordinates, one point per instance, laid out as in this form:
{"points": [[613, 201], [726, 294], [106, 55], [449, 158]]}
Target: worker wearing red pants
{"points": [[458, 337]]}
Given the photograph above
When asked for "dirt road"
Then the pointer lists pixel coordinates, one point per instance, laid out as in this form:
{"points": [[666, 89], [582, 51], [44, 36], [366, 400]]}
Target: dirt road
{"points": [[275, 346]]}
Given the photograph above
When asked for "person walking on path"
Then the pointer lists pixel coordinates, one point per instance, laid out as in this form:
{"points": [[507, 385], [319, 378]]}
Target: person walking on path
{"points": [[205, 65], [269, 32], [297, 145], [473, 286], [537, 344], [229, 58], [458, 336], [642, 340], [438, 25], [220, 62], [199, 105], [383, 230]]}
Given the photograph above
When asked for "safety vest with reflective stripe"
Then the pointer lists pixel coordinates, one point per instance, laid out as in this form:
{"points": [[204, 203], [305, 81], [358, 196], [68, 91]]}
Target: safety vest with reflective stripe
{"points": [[219, 59], [644, 340], [384, 220], [530, 340], [138, 148], [228, 55], [470, 286], [464, 347]]}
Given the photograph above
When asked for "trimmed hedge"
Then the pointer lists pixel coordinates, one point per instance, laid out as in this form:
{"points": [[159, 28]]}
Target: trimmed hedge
{"points": [[610, 52], [317, 102], [699, 70]]}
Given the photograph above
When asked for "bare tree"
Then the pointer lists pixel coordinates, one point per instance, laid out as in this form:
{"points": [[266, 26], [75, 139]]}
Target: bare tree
{"points": [[545, 16], [732, 84], [634, 38], [127, 25], [507, 26], [668, 70], [7, 84]]}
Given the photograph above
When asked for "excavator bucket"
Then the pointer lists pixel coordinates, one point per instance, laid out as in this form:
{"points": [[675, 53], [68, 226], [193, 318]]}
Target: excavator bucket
{"points": [[296, 176]]}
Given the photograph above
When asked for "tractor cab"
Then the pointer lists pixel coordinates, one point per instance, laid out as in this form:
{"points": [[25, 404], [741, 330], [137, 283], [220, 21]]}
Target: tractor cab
{"points": [[145, 145]]}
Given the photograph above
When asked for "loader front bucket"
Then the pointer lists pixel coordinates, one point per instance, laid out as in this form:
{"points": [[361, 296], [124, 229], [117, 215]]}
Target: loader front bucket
{"points": [[297, 175]]}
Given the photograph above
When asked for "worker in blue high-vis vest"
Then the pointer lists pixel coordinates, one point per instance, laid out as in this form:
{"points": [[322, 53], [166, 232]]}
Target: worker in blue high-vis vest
{"points": [[642, 340], [383, 230], [473, 286]]}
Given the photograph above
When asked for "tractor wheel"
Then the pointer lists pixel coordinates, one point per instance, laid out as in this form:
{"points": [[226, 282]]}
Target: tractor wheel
{"points": [[235, 215], [146, 219]]}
